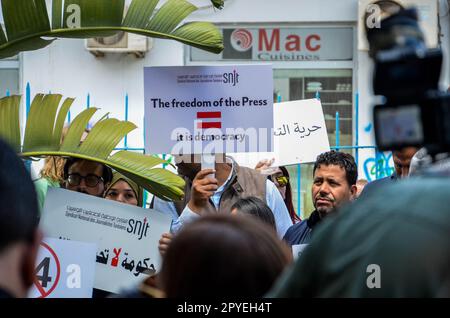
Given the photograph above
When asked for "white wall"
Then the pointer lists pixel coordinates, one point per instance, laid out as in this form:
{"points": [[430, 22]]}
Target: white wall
{"points": [[260, 11]]}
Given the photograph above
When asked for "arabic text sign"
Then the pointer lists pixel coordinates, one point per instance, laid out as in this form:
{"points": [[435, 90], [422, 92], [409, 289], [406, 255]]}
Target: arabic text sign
{"points": [[300, 132], [208, 109], [64, 269], [126, 236]]}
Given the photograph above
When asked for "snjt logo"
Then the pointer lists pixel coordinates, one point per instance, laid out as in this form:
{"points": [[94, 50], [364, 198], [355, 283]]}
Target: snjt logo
{"points": [[138, 228]]}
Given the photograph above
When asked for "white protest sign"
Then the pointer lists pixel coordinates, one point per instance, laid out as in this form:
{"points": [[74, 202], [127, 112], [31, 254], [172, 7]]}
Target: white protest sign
{"points": [[64, 269], [208, 109], [300, 132], [126, 236], [300, 135]]}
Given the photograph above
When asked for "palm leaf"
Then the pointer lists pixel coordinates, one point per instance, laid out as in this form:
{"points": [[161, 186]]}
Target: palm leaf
{"points": [[218, 3], [43, 134], [125, 162], [59, 124], [76, 130], [177, 9], [95, 143], [9, 121], [139, 13], [40, 122], [26, 22]]}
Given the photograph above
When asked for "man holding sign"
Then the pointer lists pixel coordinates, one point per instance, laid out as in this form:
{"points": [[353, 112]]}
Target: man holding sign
{"points": [[19, 234], [205, 193], [212, 110]]}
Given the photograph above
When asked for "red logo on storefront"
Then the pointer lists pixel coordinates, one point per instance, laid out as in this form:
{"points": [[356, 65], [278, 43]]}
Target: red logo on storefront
{"points": [[241, 40]]}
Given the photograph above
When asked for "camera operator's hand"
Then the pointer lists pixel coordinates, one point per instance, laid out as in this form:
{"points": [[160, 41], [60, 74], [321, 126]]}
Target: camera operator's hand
{"points": [[203, 187]]}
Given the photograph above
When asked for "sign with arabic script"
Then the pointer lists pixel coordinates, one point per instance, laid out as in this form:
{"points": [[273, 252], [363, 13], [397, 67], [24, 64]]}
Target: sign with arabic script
{"points": [[126, 236], [300, 132]]}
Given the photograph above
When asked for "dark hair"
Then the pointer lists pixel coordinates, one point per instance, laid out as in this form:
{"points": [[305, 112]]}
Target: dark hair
{"points": [[288, 197], [256, 207], [19, 214], [223, 255], [387, 8], [341, 159], [106, 171]]}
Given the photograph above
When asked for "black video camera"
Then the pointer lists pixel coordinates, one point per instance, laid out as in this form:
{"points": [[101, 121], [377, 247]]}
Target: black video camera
{"points": [[414, 112]]}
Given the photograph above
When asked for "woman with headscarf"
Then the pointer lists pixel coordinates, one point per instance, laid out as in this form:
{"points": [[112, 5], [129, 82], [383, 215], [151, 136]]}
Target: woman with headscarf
{"points": [[124, 190]]}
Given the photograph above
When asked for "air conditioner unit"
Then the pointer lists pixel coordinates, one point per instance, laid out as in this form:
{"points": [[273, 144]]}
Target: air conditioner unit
{"points": [[122, 42], [428, 20]]}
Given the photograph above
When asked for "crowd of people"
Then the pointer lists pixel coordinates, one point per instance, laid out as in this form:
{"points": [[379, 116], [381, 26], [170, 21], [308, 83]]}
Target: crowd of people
{"points": [[235, 231]]}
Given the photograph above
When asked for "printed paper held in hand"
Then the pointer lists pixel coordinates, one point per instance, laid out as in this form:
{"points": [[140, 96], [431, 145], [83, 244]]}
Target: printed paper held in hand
{"points": [[300, 132], [300, 135]]}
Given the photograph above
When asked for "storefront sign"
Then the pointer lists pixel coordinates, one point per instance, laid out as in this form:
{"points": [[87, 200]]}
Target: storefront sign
{"points": [[282, 44]]}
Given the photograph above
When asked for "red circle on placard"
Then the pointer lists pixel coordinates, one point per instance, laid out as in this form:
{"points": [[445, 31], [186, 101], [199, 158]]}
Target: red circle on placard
{"points": [[58, 273]]}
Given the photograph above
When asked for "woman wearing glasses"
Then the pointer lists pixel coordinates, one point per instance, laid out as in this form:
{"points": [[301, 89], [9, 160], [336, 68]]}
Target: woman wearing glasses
{"points": [[280, 177]]}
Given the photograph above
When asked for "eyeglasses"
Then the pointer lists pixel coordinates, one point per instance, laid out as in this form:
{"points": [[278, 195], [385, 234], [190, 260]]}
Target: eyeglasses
{"points": [[91, 180], [281, 181]]}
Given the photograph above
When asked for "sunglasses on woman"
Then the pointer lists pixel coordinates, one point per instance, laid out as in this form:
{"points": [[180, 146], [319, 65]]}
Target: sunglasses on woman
{"points": [[281, 181]]}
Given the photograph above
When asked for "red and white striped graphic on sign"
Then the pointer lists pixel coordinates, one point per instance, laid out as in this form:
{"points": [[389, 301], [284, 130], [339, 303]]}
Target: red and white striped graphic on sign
{"points": [[214, 120]]}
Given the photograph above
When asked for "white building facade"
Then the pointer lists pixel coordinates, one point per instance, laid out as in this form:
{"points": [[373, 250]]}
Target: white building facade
{"points": [[312, 45]]}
